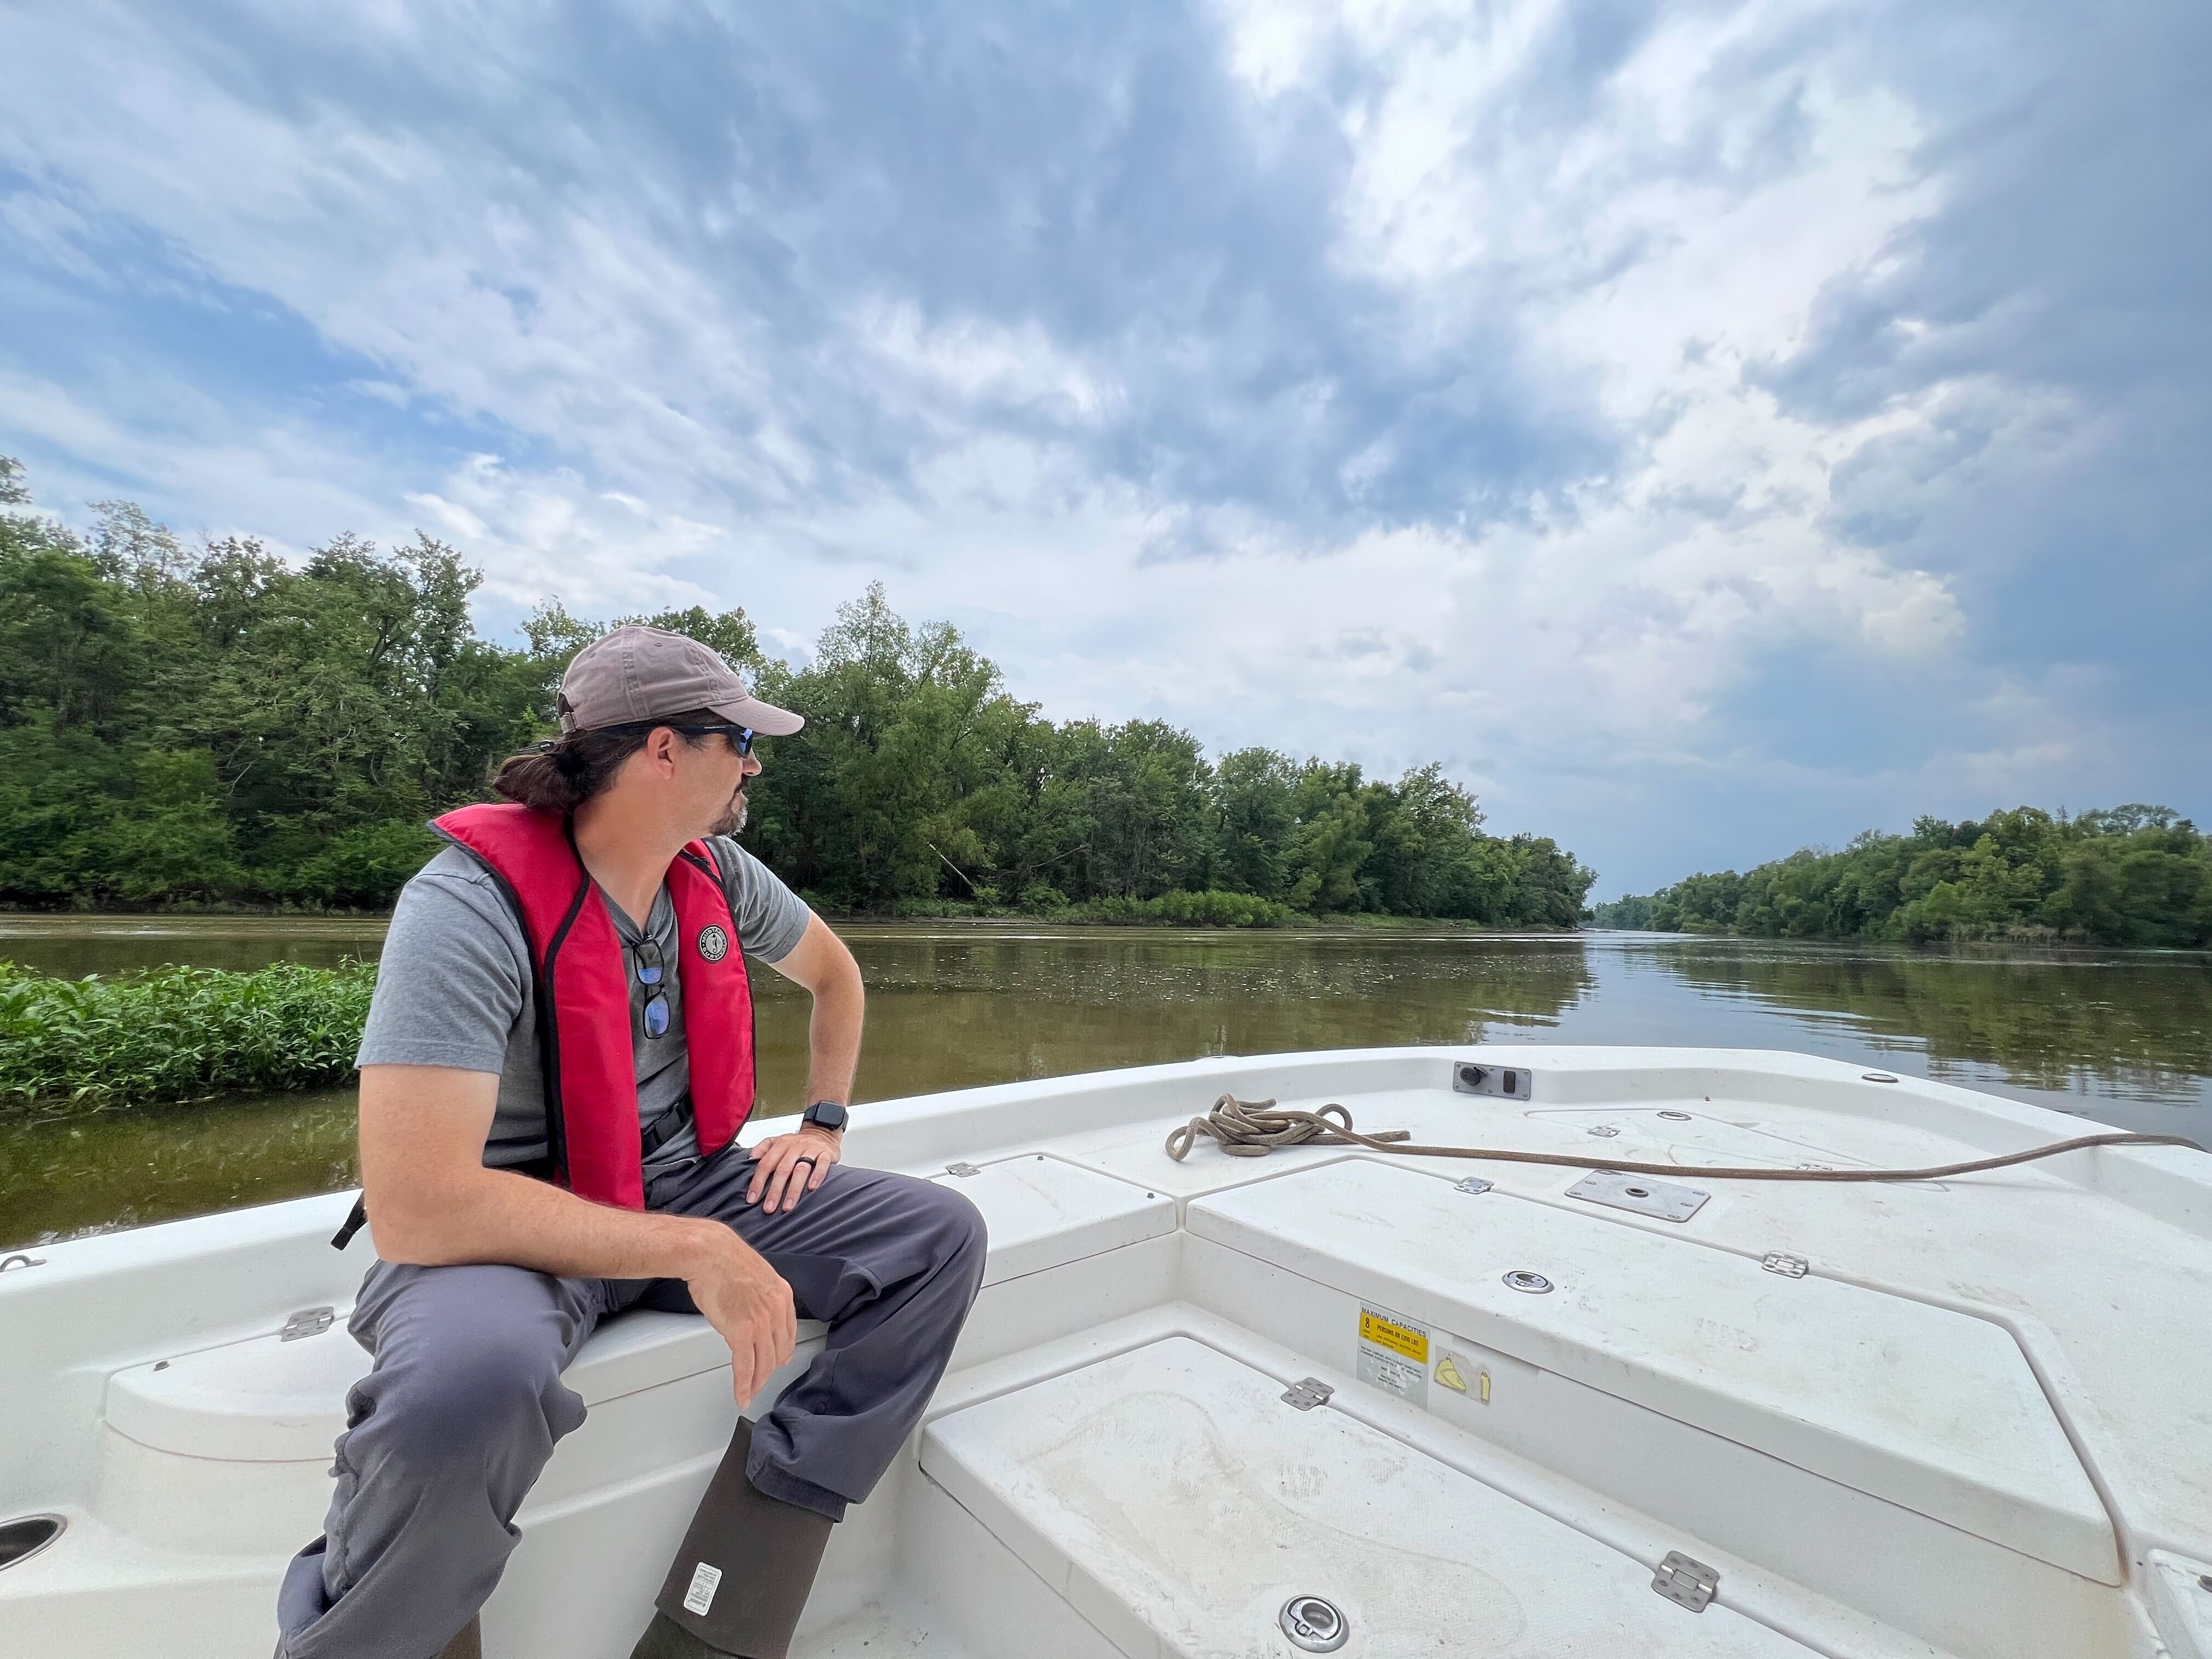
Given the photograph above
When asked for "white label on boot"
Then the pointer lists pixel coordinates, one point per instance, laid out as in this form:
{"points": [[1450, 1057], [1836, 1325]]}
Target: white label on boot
{"points": [[701, 1596]]}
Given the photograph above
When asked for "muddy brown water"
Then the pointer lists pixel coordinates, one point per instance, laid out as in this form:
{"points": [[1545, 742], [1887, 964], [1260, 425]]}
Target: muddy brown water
{"points": [[2124, 1037]]}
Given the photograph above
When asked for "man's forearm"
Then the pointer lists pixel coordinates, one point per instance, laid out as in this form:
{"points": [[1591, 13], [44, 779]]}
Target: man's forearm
{"points": [[834, 1039], [494, 1215]]}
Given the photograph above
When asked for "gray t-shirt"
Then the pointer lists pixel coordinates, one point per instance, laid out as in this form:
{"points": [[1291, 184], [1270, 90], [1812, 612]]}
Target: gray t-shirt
{"points": [[453, 989]]}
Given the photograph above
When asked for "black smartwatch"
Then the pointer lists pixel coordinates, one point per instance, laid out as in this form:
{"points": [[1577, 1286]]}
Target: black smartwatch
{"points": [[826, 1114]]}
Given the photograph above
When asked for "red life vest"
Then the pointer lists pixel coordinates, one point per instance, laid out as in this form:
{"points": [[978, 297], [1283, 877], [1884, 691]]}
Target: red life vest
{"points": [[580, 984]]}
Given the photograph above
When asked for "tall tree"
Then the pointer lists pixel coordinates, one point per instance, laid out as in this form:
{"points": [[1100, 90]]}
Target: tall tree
{"points": [[2130, 875], [202, 725]]}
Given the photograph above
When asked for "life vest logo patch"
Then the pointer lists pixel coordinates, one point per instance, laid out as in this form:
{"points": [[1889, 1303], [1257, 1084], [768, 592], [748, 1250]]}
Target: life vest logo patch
{"points": [[714, 944]]}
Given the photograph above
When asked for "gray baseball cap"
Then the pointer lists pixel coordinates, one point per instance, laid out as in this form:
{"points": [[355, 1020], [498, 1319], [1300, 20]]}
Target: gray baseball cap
{"points": [[640, 673]]}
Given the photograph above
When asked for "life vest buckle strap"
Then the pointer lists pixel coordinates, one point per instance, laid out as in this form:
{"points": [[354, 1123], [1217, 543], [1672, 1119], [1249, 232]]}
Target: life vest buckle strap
{"points": [[356, 1219], [664, 1128]]}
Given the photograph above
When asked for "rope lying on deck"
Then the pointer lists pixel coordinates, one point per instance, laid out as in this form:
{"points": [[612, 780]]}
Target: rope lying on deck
{"points": [[1253, 1128]]}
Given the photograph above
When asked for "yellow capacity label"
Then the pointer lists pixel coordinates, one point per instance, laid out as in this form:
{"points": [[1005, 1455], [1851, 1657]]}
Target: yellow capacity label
{"points": [[1390, 1334]]}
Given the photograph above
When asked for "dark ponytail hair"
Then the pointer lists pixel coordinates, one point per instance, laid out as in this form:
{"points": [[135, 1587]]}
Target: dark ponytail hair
{"points": [[560, 775]]}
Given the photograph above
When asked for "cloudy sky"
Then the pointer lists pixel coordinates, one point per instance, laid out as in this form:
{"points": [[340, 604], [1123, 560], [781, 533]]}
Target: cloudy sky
{"points": [[1707, 429]]}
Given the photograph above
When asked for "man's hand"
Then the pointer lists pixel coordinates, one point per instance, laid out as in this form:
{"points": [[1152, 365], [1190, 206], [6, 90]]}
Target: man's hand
{"points": [[790, 1166], [749, 1304]]}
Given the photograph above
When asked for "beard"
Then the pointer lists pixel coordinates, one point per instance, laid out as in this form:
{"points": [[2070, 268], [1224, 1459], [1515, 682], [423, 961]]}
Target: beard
{"points": [[733, 815]]}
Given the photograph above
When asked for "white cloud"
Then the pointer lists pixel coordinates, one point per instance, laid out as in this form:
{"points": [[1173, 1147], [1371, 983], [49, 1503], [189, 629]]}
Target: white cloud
{"points": [[1606, 243], [550, 533], [1649, 247], [284, 486], [978, 364], [1182, 499], [52, 229]]}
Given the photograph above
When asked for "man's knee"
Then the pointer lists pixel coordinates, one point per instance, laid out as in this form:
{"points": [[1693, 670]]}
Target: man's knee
{"points": [[955, 1227], [470, 1395]]}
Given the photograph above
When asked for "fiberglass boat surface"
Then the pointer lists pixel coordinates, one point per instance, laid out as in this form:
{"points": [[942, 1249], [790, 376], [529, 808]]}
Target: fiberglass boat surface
{"points": [[1328, 1400]]}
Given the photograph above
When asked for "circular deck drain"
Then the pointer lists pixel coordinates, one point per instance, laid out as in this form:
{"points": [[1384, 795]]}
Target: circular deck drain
{"points": [[25, 1536], [1314, 1625], [1879, 1077], [1521, 1280], [1675, 1117]]}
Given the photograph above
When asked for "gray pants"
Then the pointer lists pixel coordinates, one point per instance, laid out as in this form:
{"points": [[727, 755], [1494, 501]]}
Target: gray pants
{"points": [[447, 1433]]}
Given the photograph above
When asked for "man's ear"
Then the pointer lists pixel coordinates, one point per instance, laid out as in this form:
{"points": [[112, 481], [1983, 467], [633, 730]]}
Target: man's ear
{"points": [[660, 747]]}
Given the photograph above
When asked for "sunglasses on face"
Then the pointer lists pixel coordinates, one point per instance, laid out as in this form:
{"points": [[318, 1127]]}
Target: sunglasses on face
{"points": [[740, 737], [652, 974]]}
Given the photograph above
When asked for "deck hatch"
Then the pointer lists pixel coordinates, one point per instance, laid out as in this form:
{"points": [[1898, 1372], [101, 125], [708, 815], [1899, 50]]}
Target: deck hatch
{"points": [[1923, 1407], [1044, 1211], [1158, 1493]]}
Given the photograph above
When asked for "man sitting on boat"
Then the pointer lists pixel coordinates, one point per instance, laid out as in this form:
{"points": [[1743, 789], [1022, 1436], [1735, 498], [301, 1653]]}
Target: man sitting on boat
{"points": [[557, 1063]]}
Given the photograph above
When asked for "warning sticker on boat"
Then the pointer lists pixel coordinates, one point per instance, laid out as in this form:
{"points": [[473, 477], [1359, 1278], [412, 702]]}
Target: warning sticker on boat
{"points": [[1393, 1355]]}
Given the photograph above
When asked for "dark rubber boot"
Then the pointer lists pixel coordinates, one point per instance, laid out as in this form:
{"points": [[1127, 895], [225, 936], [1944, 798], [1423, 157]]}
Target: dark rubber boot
{"points": [[469, 1644], [742, 1578]]}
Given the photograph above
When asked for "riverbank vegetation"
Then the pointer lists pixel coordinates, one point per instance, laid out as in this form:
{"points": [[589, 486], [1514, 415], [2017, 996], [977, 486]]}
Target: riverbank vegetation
{"points": [[177, 1033], [217, 726], [2132, 876]]}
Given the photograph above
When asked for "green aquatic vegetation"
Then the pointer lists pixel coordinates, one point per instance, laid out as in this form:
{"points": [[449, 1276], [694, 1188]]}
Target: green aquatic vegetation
{"points": [[176, 1033], [1210, 908]]}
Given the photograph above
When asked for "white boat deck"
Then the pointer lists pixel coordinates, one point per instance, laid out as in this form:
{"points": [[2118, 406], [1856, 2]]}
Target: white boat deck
{"points": [[1977, 1424]]}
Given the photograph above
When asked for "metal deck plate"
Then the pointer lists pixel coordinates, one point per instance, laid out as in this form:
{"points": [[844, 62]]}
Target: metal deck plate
{"points": [[1640, 1193]]}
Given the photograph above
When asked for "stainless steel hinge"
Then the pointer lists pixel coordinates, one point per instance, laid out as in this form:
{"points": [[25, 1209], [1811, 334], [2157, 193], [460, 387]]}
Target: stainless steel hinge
{"points": [[962, 1170], [1788, 1266], [1685, 1582], [1307, 1393], [308, 1322]]}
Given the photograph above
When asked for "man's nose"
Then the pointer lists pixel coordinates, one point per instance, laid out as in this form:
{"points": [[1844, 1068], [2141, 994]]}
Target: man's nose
{"points": [[748, 766]]}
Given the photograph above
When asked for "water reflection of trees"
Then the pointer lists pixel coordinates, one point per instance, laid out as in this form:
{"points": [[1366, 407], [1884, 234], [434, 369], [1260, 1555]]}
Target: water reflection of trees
{"points": [[2142, 1022], [949, 1013]]}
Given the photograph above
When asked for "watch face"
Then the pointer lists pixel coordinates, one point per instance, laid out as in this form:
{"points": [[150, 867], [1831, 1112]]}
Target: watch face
{"points": [[827, 1113]]}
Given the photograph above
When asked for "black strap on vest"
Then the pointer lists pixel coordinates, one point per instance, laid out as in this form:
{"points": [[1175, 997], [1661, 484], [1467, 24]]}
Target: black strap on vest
{"points": [[356, 1219], [664, 1128]]}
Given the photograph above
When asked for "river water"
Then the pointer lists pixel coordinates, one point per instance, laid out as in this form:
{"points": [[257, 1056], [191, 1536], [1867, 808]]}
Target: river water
{"points": [[2122, 1036]]}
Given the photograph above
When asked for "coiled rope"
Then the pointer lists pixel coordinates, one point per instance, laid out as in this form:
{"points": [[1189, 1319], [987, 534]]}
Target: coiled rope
{"points": [[1253, 1128]]}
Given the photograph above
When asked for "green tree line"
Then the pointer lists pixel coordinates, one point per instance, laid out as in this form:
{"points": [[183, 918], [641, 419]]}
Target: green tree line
{"points": [[217, 726], [2129, 875]]}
